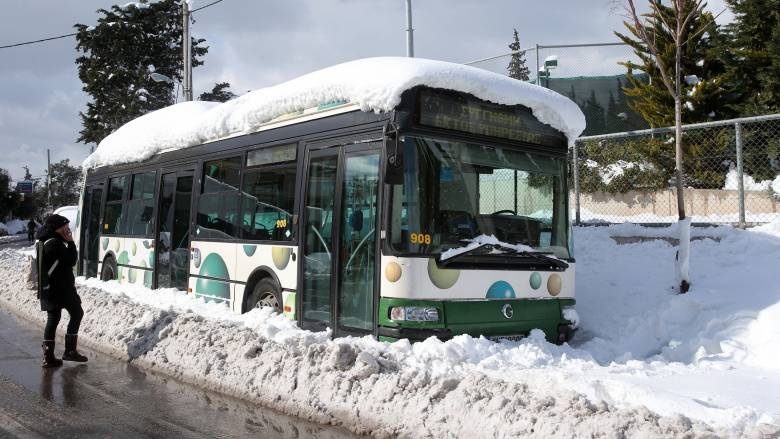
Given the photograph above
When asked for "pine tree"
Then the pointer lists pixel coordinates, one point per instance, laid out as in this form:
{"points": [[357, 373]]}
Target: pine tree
{"points": [[703, 89], [117, 58], [755, 53], [594, 116], [517, 65], [220, 93], [65, 184]]}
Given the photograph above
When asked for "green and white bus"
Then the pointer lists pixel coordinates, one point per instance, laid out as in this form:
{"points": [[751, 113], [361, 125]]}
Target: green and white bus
{"points": [[447, 215]]}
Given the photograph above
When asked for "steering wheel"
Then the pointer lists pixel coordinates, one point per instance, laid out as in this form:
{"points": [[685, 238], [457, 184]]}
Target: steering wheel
{"points": [[500, 212]]}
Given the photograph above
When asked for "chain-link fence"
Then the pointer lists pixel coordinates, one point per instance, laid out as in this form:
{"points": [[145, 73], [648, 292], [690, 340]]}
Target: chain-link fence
{"points": [[731, 174], [589, 74]]}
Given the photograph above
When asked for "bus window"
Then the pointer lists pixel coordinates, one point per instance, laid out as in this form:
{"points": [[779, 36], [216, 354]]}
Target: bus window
{"points": [[141, 205], [268, 197], [219, 200], [115, 206]]}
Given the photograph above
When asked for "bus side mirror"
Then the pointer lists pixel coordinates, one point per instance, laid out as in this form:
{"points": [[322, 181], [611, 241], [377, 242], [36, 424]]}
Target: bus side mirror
{"points": [[393, 169]]}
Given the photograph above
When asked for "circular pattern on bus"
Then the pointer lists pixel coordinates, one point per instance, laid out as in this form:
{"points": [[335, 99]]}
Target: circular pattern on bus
{"points": [[249, 249], [500, 290], [442, 277], [281, 256], [554, 284], [536, 280], [393, 272], [133, 249], [213, 266], [104, 243]]}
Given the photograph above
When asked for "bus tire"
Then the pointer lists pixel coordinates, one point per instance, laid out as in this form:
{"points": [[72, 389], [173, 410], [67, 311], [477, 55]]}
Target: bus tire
{"points": [[109, 270], [266, 293]]}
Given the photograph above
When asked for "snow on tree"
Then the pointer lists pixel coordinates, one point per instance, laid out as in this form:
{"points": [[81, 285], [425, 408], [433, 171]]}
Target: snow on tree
{"points": [[220, 93], [118, 56], [517, 65]]}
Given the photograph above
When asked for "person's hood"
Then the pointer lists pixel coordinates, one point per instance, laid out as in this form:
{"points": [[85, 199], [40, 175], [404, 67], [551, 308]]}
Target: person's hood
{"points": [[45, 233]]}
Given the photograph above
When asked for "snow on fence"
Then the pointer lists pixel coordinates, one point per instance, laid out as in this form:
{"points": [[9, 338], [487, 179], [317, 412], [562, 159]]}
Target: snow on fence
{"points": [[731, 174]]}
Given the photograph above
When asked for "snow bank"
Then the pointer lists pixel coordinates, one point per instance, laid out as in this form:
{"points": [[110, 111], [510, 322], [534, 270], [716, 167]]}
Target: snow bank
{"points": [[14, 226], [749, 183], [644, 356], [375, 84]]}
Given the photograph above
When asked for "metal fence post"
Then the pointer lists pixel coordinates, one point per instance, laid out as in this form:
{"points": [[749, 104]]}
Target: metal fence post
{"points": [[576, 173], [740, 175]]}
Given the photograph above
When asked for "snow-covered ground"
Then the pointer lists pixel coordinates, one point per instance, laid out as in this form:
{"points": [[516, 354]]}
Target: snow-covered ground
{"points": [[647, 361], [14, 226]]}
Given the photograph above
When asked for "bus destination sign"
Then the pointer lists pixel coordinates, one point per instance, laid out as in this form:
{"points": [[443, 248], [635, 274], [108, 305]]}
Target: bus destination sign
{"points": [[452, 111]]}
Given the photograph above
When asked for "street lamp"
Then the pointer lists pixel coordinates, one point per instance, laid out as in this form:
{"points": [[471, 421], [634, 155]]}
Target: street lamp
{"points": [[550, 63]]}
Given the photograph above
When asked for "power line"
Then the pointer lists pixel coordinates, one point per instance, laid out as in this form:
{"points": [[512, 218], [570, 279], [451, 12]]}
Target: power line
{"points": [[37, 41], [206, 6], [42, 40]]}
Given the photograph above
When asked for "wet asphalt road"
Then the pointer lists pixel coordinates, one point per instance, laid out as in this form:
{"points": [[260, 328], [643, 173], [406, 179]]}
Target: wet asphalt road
{"points": [[111, 398]]}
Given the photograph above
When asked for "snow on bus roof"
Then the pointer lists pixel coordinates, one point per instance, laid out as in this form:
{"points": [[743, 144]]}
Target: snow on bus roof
{"points": [[373, 84]]}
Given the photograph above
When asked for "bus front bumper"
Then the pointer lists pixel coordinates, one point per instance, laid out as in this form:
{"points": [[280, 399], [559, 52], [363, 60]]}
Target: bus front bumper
{"points": [[480, 318]]}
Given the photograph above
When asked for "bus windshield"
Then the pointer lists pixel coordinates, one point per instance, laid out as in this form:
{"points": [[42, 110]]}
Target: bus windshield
{"points": [[454, 192]]}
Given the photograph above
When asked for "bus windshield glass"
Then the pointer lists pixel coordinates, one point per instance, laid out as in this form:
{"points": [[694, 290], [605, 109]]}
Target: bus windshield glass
{"points": [[454, 192]]}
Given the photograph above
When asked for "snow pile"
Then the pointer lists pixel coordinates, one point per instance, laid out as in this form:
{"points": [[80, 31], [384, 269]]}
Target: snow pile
{"points": [[14, 226], [709, 355], [749, 183], [374, 84]]}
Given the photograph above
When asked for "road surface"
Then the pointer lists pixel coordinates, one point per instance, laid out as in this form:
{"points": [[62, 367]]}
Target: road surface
{"points": [[111, 398]]}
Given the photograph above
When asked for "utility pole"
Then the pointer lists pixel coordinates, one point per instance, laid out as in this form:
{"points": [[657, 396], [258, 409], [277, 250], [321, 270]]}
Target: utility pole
{"points": [[187, 50], [48, 173], [409, 30]]}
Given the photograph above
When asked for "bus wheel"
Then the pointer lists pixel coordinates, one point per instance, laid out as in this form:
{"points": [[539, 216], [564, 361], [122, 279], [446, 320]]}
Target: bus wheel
{"points": [[265, 294], [109, 270]]}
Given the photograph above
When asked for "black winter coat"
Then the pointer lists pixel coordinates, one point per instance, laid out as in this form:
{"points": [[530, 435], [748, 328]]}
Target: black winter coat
{"points": [[61, 290]]}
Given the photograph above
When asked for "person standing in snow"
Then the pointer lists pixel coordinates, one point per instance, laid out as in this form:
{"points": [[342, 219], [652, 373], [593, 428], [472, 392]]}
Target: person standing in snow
{"points": [[31, 226], [57, 288]]}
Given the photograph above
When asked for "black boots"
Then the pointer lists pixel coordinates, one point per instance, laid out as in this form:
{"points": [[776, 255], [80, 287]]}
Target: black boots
{"points": [[49, 360], [71, 354]]}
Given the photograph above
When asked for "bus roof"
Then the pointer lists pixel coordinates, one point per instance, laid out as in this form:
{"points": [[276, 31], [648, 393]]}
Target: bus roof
{"points": [[372, 84]]}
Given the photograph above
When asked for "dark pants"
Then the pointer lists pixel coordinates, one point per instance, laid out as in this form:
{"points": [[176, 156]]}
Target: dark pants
{"points": [[76, 313], [30, 236]]}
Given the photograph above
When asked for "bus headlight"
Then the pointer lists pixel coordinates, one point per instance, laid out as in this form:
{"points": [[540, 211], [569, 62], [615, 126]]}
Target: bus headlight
{"points": [[414, 314]]}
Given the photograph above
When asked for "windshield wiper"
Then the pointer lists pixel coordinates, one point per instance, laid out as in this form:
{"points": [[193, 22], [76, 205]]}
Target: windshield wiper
{"points": [[446, 261], [544, 258], [508, 251]]}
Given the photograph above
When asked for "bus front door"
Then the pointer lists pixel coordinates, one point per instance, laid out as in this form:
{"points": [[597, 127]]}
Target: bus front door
{"points": [[90, 235], [173, 230], [340, 246]]}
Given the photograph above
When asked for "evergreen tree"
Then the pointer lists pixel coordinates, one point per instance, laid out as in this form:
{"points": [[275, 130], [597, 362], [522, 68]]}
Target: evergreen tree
{"points": [[612, 120], [220, 93], [117, 58], [65, 184], [517, 65], [703, 91], [572, 95], [594, 116], [8, 199], [629, 119], [754, 50]]}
